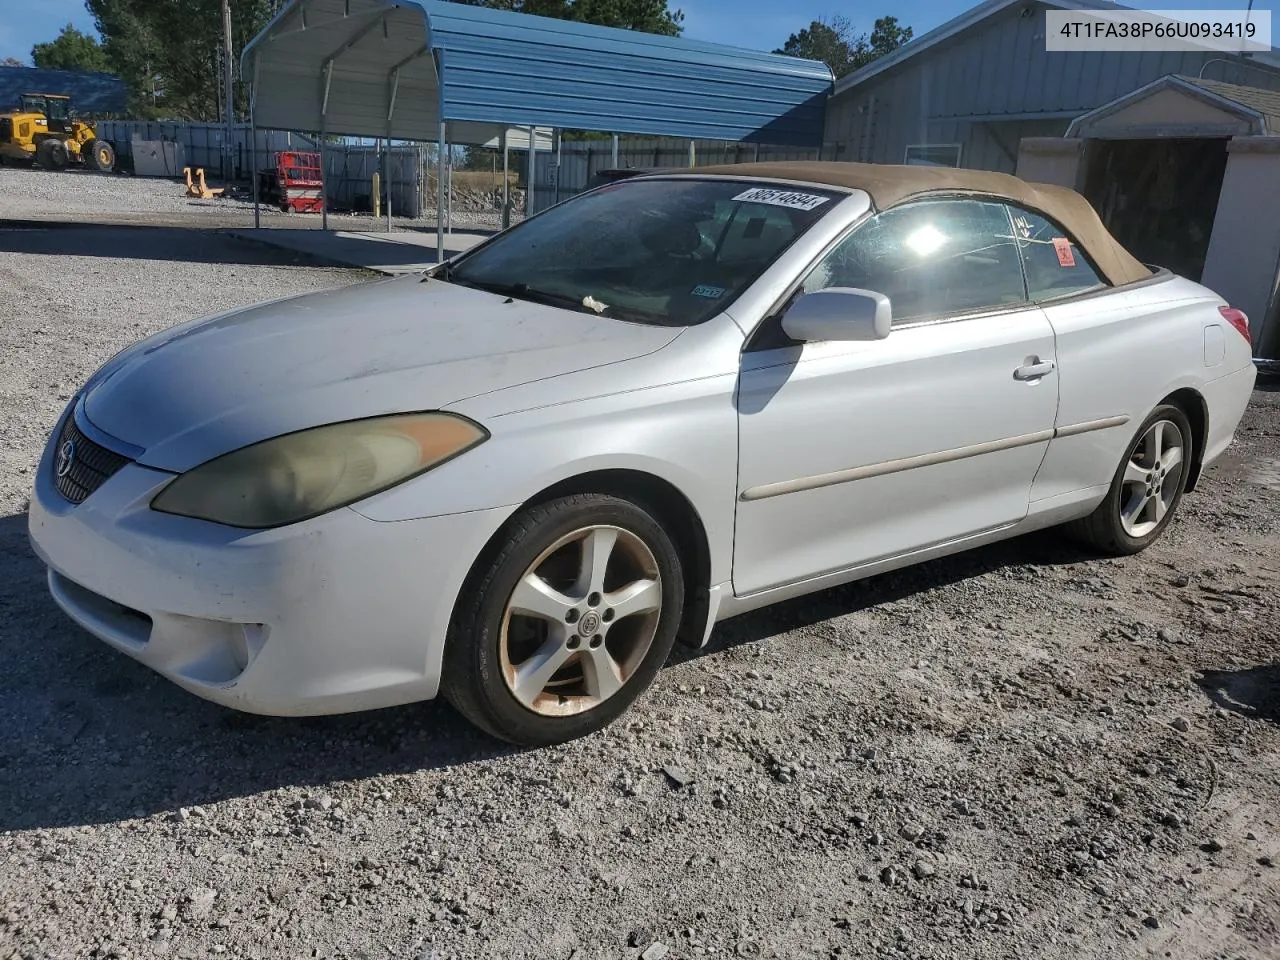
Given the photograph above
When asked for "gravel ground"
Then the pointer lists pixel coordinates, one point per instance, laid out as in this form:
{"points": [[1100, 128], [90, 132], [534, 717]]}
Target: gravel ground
{"points": [[84, 196], [1019, 752], [76, 296]]}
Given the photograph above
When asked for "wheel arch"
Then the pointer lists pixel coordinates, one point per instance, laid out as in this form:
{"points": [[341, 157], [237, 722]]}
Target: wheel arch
{"points": [[671, 507], [1191, 402]]}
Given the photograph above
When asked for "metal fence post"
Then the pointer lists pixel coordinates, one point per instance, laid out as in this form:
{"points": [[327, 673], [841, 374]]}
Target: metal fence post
{"points": [[253, 166], [253, 145], [229, 83], [528, 194], [324, 179], [506, 181], [450, 172], [324, 131], [440, 196], [559, 135]]}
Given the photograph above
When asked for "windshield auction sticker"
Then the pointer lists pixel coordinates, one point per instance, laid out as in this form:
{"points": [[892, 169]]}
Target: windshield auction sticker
{"points": [[1062, 247], [782, 198], [1226, 31]]}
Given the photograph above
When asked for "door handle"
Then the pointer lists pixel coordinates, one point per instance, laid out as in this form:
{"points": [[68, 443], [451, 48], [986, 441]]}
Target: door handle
{"points": [[1034, 371]]}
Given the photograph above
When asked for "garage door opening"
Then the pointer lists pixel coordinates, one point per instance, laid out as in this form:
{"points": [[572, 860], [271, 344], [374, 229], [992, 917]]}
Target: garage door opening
{"points": [[1159, 197]]}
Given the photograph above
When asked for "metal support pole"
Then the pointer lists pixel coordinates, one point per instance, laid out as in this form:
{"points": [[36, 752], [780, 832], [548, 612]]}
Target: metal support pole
{"points": [[375, 182], [528, 193], [253, 171], [450, 209], [693, 153], [440, 197], [506, 181], [1240, 65], [559, 159], [391, 109], [228, 169], [613, 161], [324, 136], [253, 145], [324, 174]]}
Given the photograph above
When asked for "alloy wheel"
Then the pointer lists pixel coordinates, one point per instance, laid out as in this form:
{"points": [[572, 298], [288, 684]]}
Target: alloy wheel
{"points": [[580, 620], [1152, 478]]}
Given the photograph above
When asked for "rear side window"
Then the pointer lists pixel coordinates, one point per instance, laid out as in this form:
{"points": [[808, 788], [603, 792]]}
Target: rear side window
{"points": [[1055, 264], [931, 258]]}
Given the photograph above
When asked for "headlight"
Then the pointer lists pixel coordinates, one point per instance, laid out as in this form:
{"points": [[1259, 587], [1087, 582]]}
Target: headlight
{"points": [[305, 474]]}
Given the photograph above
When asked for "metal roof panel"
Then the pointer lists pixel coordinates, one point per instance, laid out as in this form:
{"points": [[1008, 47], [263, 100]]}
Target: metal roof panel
{"points": [[513, 69]]}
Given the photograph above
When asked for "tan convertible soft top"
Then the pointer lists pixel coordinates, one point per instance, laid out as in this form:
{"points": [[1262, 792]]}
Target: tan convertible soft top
{"points": [[889, 185]]}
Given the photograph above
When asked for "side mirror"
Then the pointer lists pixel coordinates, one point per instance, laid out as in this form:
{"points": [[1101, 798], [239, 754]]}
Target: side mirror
{"points": [[839, 313]]}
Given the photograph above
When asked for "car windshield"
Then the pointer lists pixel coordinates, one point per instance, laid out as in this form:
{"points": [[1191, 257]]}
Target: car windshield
{"points": [[670, 252]]}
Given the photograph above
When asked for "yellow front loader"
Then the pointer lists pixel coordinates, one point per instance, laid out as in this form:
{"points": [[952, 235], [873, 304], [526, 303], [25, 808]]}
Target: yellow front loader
{"points": [[44, 131]]}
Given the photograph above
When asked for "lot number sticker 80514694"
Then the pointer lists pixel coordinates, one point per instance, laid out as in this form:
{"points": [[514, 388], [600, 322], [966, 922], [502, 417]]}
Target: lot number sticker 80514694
{"points": [[782, 198]]}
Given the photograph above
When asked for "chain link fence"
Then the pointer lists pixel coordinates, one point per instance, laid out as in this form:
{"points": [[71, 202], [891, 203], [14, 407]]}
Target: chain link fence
{"points": [[580, 160], [349, 168]]}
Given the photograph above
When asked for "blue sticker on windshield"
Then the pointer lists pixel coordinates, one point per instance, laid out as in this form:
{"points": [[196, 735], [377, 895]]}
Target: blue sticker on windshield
{"points": [[711, 293]]}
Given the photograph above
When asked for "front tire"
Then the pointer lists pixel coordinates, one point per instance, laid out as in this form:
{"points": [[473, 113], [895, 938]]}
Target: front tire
{"points": [[52, 155], [1146, 489], [558, 632], [99, 155]]}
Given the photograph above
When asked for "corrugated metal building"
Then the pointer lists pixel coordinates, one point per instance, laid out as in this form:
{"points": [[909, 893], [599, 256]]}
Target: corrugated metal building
{"points": [[966, 93]]}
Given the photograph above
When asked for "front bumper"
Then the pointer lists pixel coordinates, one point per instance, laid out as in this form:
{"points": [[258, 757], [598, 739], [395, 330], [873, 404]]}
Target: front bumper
{"points": [[336, 614]]}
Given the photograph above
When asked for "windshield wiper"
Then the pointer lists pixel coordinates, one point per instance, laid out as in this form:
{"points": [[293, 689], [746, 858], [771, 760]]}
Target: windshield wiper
{"points": [[522, 291]]}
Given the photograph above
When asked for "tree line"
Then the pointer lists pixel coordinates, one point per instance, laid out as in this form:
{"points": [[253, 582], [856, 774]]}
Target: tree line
{"points": [[169, 52]]}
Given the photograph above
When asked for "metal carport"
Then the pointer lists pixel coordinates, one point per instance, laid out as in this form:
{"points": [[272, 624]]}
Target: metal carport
{"points": [[431, 70]]}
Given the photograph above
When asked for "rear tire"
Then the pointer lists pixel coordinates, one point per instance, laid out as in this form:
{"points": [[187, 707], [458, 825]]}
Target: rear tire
{"points": [[1146, 489], [52, 155], [557, 633], [99, 155]]}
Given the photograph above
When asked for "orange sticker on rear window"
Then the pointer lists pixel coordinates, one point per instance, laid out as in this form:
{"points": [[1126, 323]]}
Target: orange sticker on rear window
{"points": [[1062, 246]]}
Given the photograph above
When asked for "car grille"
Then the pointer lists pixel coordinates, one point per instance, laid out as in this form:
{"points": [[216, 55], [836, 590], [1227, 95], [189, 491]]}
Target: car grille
{"points": [[81, 466]]}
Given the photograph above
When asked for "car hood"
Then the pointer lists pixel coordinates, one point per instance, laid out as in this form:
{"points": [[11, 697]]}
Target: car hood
{"points": [[391, 346]]}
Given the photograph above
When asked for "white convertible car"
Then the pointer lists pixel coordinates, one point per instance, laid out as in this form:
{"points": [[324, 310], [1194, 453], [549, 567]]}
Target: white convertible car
{"points": [[515, 480]]}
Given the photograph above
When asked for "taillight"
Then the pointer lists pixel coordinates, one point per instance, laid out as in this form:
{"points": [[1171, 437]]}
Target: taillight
{"points": [[1238, 320]]}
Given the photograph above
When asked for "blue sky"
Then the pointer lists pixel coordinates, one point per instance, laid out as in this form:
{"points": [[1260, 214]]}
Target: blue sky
{"points": [[758, 24]]}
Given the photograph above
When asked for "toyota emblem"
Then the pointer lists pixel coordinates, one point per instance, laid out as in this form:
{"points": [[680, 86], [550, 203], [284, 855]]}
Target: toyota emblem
{"points": [[66, 458]]}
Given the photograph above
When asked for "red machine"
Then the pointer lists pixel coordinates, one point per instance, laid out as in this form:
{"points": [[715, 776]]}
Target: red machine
{"points": [[295, 184]]}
